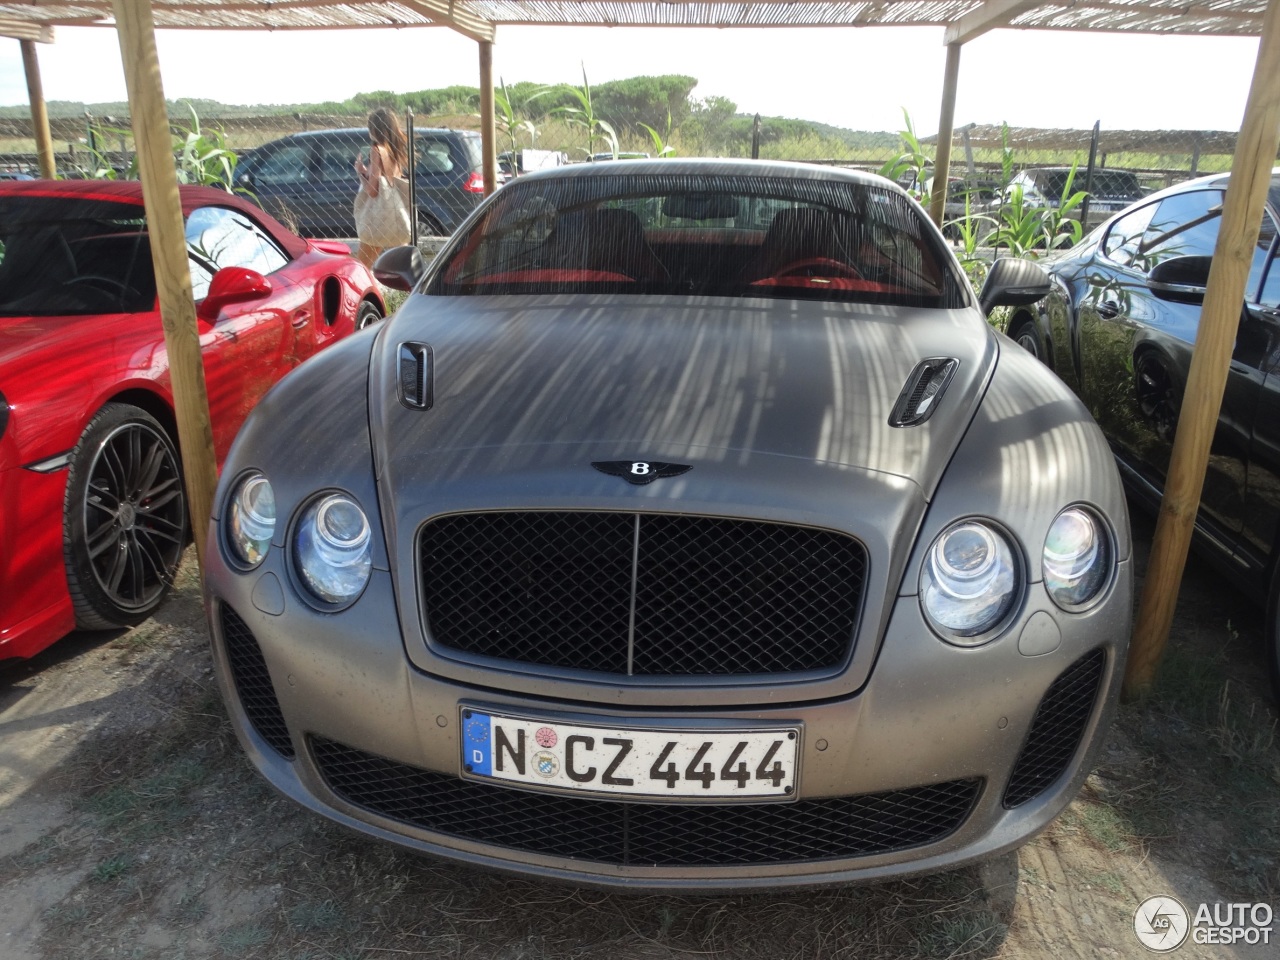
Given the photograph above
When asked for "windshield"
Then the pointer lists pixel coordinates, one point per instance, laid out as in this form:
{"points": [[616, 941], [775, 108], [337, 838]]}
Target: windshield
{"points": [[67, 259], [714, 235]]}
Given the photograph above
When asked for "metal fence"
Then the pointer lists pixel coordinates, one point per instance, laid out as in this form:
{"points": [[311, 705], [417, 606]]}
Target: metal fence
{"points": [[300, 166]]}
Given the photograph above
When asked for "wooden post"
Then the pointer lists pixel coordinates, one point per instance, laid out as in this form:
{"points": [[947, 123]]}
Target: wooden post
{"points": [[946, 130], [1237, 238], [488, 133], [39, 112], [136, 30]]}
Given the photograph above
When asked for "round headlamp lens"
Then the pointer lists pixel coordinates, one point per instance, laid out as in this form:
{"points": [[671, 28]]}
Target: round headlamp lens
{"points": [[251, 519], [1077, 557], [970, 581], [333, 549]]}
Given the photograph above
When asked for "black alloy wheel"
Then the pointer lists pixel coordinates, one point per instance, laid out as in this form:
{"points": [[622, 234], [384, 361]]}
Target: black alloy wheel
{"points": [[125, 518], [1158, 397]]}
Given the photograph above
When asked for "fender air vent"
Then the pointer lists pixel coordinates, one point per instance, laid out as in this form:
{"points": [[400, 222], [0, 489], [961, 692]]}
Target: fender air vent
{"points": [[922, 391], [417, 375]]}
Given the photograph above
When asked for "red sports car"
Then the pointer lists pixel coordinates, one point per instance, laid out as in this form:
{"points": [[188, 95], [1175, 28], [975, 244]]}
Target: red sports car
{"points": [[93, 515]]}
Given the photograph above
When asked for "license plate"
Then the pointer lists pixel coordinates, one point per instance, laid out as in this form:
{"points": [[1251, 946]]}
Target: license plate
{"points": [[685, 763]]}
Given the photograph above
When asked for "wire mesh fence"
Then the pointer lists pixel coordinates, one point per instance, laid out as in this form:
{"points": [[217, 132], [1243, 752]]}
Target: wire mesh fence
{"points": [[300, 166]]}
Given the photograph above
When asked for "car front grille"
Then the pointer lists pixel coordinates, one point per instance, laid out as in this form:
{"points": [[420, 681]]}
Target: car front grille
{"points": [[253, 683], [645, 834], [1056, 730], [641, 594]]}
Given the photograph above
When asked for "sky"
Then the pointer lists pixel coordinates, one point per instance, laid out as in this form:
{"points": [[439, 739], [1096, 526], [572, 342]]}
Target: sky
{"points": [[849, 77]]}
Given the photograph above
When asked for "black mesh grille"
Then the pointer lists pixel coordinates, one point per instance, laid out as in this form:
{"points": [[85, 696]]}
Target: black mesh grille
{"points": [[253, 683], [1056, 730], [653, 834], [712, 596]]}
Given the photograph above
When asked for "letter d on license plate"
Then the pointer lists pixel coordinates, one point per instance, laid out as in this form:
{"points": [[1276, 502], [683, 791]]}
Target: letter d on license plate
{"points": [[678, 762]]}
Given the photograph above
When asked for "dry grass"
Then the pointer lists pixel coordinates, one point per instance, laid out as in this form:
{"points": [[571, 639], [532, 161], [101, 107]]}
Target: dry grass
{"points": [[179, 850]]}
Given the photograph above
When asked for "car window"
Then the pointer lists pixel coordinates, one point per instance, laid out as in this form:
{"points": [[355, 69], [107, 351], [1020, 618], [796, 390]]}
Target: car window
{"points": [[1183, 226], [218, 237], [71, 258], [337, 163], [1266, 269], [433, 157], [288, 164], [1121, 242], [704, 234]]}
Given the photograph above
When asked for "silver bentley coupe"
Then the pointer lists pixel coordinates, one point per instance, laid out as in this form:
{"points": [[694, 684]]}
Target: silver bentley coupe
{"points": [[687, 528]]}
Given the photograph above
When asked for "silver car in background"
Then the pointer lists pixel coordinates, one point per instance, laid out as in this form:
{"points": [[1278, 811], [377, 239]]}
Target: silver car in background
{"points": [[688, 527]]}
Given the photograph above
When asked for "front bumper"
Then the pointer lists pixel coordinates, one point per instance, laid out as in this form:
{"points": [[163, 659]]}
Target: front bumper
{"points": [[911, 774]]}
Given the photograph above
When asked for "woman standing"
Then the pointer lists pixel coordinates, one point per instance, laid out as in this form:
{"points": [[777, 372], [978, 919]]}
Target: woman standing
{"points": [[381, 223]]}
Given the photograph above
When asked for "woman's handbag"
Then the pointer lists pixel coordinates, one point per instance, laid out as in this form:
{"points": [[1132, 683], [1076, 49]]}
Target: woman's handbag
{"points": [[383, 221]]}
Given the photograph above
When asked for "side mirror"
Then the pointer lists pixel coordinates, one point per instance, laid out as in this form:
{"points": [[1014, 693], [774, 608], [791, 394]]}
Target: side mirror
{"points": [[1181, 279], [232, 285], [1013, 283], [399, 268]]}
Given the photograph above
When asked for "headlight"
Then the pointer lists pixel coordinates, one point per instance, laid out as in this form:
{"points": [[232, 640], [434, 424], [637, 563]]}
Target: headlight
{"points": [[332, 549], [969, 583], [1077, 558], [251, 520]]}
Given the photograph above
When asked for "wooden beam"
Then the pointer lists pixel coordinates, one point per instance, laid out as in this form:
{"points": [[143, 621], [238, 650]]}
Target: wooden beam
{"points": [[1210, 361], [450, 14], [135, 27], [27, 31], [992, 14], [946, 131], [39, 111], [488, 130]]}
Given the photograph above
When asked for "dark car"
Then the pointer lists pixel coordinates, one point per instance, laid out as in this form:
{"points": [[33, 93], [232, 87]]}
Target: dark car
{"points": [[1109, 190], [687, 527], [93, 514], [1119, 328], [308, 180]]}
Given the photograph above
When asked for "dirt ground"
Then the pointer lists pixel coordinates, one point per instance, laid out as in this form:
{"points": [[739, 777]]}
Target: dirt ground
{"points": [[132, 826]]}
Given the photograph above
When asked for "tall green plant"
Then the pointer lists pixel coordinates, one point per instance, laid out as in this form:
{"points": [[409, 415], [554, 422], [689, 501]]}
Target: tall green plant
{"points": [[1025, 228], [661, 142], [203, 156], [912, 162], [584, 115], [509, 124]]}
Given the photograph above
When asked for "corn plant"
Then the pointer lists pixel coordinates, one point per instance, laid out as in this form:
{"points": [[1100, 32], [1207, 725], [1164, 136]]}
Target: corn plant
{"points": [[911, 164], [507, 123], [1024, 228], [598, 129], [970, 230], [203, 157], [661, 142]]}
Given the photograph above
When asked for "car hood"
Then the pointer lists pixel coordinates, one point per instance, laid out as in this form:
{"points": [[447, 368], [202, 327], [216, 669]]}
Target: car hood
{"points": [[523, 384]]}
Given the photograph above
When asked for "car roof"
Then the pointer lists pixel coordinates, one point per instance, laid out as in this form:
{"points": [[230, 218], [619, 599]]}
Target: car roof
{"points": [[710, 167], [364, 132], [130, 192], [1218, 180]]}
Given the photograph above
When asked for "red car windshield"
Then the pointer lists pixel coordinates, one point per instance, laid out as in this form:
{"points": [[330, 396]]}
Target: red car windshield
{"points": [[61, 257], [709, 235]]}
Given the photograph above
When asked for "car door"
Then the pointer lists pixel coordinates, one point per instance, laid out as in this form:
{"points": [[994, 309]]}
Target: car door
{"points": [[446, 190], [280, 176], [250, 345], [1144, 343], [1261, 322], [335, 182]]}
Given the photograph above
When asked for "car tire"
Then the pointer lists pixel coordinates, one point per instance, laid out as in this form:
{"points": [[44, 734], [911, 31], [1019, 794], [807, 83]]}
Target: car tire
{"points": [[429, 226], [1023, 332], [124, 518], [367, 315], [1158, 393]]}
